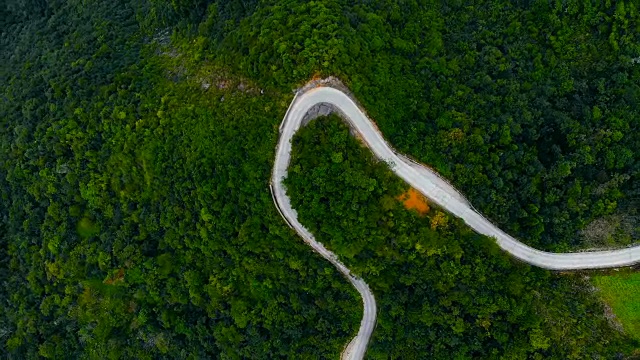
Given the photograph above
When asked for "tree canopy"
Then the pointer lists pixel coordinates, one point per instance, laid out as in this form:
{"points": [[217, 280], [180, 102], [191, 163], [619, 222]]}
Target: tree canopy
{"points": [[136, 143]]}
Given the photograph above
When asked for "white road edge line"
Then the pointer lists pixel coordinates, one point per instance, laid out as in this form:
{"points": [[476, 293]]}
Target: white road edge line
{"points": [[427, 182]]}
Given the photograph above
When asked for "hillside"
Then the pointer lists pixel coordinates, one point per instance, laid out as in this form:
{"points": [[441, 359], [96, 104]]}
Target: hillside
{"points": [[137, 138]]}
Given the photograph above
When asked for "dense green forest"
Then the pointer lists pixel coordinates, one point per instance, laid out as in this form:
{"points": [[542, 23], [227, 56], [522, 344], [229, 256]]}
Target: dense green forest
{"points": [[529, 107], [136, 142], [444, 292], [135, 213]]}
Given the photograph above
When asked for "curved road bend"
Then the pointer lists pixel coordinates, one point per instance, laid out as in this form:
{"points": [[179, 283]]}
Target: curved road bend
{"points": [[426, 182]]}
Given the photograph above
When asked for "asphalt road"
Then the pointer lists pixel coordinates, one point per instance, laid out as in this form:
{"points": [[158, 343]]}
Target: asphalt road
{"points": [[429, 184]]}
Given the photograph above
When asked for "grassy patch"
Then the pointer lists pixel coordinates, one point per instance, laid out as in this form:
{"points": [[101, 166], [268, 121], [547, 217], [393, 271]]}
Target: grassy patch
{"points": [[621, 292]]}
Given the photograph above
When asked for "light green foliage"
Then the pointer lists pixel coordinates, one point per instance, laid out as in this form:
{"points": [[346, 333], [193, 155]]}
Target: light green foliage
{"points": [[621, 292], [87, 228]]}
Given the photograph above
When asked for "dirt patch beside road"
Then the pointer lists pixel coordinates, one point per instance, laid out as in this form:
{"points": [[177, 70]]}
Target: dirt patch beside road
{"points": [[412, 199]]}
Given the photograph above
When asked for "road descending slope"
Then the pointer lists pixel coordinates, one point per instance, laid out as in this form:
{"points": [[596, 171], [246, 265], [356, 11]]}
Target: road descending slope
{"points": [[426, 182]]}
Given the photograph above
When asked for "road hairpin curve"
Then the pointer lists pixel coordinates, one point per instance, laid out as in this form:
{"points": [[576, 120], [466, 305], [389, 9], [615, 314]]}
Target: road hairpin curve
{"points": [[423, 179]]}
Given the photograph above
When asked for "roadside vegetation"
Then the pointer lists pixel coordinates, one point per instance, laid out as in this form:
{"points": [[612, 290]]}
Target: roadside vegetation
{"points": [[531, 108], [621, 293], [136, 143], [443, 291]]}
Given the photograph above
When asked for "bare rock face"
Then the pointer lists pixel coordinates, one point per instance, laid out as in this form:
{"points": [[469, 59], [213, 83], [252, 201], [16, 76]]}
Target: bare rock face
{"points": [[323, 109], [330, 81], [318, 110]]}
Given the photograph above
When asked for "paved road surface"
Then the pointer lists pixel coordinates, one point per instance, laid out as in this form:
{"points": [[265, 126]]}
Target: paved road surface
{"points": [[425, 181]]}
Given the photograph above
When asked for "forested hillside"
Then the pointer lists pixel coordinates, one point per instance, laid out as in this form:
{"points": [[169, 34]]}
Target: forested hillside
{"points": [[136, 142], [443, 291], [136, 220], [529, 107]]}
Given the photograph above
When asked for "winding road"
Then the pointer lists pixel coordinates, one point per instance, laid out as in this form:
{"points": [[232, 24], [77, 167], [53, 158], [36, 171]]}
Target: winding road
{"points": [[426, 182]]}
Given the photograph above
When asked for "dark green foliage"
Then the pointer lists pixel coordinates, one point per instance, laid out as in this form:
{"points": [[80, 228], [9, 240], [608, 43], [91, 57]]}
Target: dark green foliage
{"points": [[530, 108], [136, 143], [443, 291], [135, 217]]}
